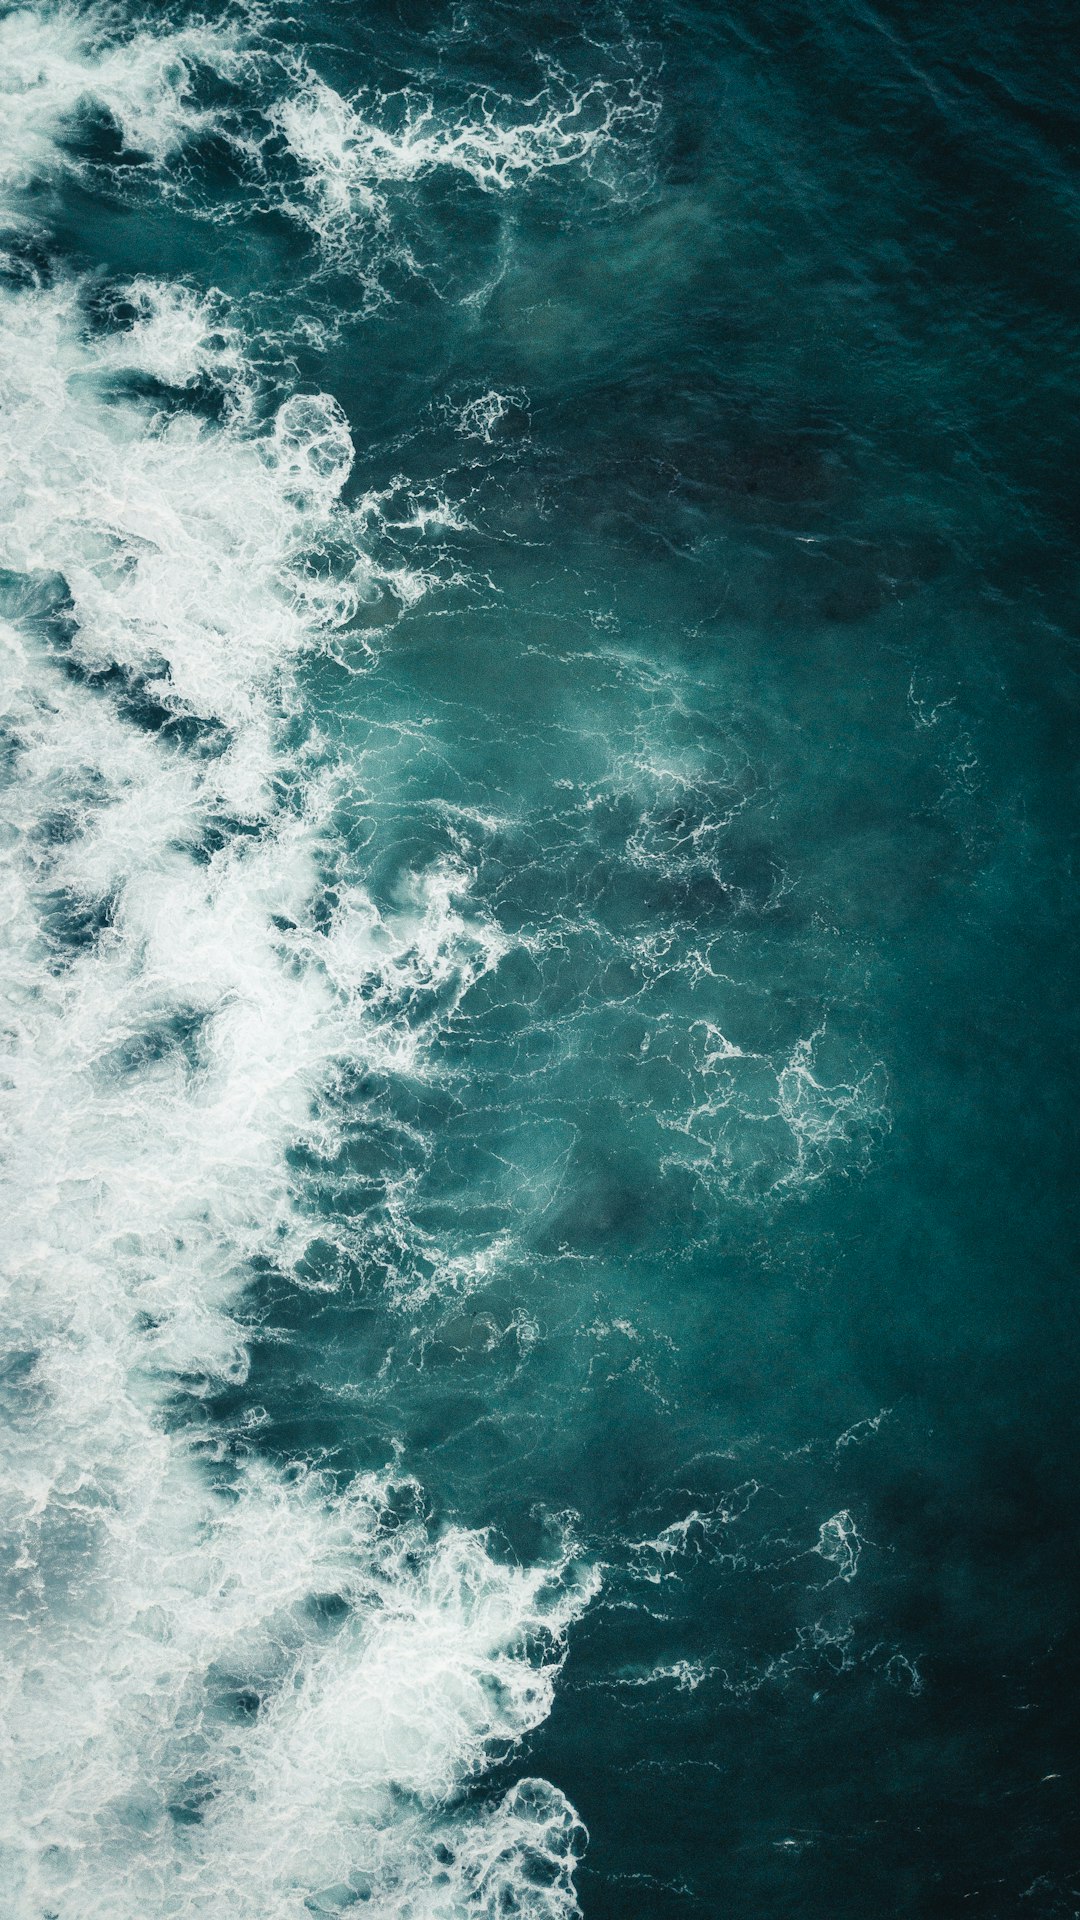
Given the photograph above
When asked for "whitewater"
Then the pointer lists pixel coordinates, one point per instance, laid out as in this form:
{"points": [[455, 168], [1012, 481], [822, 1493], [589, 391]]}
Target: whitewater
{"points": [[228, 1689]]}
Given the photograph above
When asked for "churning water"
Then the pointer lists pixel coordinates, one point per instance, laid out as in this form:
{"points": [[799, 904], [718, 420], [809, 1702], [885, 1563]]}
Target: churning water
{"points": [[537, 621]]}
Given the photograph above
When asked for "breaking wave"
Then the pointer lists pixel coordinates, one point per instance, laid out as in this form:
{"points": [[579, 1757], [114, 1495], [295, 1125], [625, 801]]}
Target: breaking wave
{"points": [[228, 1687]]}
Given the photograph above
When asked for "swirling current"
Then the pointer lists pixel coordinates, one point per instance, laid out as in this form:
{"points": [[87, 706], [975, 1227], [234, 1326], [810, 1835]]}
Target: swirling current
{"points": [[538, 637]]}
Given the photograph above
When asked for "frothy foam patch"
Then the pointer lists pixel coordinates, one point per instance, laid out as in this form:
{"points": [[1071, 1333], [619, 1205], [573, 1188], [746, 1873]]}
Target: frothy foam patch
{"points": [[59, 64], [332, 164], [227, 1688], [481, 417], [352, 151], [181, 339]]}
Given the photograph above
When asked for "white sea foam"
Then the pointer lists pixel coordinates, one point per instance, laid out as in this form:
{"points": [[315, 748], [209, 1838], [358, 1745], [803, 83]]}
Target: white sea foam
{"points": [[335, 165], [179, 338], [840, 1543], [764, 1125], [352, 152], [227, 1689], [59, 62], [480, 417]]}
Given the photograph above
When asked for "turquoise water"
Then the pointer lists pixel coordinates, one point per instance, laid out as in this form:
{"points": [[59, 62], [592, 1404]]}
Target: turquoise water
{"points": [[539, 620]]}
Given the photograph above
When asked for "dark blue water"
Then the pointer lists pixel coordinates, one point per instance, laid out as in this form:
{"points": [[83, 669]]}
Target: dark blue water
{"points": [[546, 959]]}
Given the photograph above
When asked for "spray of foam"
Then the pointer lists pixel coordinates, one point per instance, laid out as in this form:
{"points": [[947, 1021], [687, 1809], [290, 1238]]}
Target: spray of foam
{"points": [[227, 1689]]}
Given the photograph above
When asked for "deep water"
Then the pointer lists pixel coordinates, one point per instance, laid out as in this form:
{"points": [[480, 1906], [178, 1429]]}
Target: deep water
{"points": [[540, 577]]}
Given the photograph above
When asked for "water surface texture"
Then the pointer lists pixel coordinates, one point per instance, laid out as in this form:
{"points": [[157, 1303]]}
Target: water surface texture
{"points": [[537, 613]]}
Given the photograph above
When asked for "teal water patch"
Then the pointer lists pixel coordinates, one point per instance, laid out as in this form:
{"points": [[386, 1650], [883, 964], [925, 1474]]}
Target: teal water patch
{"points": [[541, 729]]}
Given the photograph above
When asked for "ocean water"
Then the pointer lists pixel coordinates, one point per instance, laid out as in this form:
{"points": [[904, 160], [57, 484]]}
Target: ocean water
{"points": [[538, 620]]}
